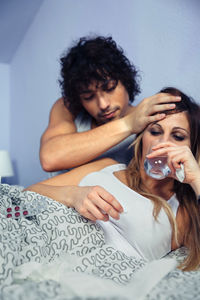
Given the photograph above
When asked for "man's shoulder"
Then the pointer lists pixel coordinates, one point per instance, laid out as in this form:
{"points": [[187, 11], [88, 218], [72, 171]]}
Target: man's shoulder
{"points": [[60, 111], [59, 103]]}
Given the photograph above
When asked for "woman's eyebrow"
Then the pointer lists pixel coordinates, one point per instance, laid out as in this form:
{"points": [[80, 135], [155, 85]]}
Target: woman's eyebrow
{"points": [[174, 128], [181, 128], [154, 124]]}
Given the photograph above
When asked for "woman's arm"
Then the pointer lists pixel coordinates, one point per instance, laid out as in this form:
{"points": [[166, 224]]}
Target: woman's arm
{"points": [[91, 202]]}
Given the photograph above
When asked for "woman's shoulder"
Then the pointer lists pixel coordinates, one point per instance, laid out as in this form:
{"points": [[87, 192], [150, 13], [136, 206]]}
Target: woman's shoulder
{"points": [[74, 176], [100, 164], [91, 167], [96, 166], [109, 166]]}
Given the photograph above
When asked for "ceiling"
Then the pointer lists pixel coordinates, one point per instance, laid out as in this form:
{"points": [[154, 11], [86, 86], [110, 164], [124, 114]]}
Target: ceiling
{"points": [[15, 18]]}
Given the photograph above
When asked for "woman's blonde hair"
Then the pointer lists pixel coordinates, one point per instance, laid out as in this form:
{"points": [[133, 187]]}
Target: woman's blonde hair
{"points": [[184, 193]]}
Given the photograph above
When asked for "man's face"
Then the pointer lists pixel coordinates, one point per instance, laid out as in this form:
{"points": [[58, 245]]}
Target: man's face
{"points": [[105, 101]]}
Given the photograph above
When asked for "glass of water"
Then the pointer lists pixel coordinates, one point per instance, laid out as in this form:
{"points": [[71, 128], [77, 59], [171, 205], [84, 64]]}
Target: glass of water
{"points": [[157, 167]]}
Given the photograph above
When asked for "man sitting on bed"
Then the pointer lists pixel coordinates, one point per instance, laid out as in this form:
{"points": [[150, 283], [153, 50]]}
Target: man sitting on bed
{"points": [[98, 85]]}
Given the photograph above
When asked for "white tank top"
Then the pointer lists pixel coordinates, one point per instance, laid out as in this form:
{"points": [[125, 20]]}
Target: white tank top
{"points": [[136, 233]]}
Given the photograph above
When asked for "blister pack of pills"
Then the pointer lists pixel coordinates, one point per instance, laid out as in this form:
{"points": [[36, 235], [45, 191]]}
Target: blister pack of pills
{"points": [[18, 209]]}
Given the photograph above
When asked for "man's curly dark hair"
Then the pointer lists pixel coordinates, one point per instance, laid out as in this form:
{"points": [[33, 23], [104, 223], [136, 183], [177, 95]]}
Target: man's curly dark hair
{"points": [[95, 59]]}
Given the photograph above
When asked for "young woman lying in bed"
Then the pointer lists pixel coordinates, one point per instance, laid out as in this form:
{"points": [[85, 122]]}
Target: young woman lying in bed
{"points": [[141, 215]]}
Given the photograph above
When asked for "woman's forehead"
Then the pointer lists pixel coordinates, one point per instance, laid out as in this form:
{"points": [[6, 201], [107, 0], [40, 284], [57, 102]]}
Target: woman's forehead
{"points": [[179, 119]]}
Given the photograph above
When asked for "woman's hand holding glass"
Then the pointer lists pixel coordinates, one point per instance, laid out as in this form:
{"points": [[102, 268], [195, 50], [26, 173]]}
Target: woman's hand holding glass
{"points": [[178, 155]]}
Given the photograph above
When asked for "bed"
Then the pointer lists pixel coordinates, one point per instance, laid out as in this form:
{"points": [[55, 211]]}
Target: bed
{"points": [[51, 252]]}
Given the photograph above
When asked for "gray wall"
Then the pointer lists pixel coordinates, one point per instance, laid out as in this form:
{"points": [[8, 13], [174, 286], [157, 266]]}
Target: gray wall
{"points": [[160, 37], [5, 106]]}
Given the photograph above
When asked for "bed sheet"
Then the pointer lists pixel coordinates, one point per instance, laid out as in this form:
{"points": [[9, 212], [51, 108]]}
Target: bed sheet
{"points": [[54, 253]]}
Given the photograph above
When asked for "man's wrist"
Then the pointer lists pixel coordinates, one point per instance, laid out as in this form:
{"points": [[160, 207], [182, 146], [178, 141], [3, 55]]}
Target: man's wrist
{"points": [[127, 125]]}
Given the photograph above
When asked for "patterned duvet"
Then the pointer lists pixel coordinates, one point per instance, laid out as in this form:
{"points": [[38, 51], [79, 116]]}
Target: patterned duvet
{"points": [[50, 252]]}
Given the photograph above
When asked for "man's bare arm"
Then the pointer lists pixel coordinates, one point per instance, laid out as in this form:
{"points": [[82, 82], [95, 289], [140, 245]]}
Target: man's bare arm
{"points": [[63, 147], [92, 202]]}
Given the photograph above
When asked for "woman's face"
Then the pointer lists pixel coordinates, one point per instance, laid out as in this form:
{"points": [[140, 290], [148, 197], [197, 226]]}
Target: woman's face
{"points": [[174, 128]]}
